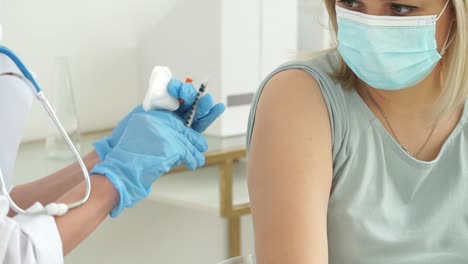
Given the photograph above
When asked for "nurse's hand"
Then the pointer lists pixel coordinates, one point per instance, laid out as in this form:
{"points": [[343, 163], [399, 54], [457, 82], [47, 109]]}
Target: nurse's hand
{"points": [[207, 113], [151, 144]]}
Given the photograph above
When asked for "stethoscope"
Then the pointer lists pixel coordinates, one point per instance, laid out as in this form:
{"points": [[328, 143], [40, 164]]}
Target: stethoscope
{"points": [[54, 209]]}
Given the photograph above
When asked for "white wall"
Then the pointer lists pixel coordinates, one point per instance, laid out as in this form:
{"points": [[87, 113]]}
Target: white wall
{"points": [[279, 41], [186, 39], [314, 31], [110, 72], [266, 35], [99, 37], [240, 59], [107, 42], [235, 43]]}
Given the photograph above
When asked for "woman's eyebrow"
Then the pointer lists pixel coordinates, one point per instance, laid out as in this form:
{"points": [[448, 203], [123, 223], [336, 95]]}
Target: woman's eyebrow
{"points": [[399, 1], [392, 1]]}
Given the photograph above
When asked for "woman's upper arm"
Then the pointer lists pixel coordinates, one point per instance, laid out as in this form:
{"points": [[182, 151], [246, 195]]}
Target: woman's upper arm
{"points": [[290, 171]]}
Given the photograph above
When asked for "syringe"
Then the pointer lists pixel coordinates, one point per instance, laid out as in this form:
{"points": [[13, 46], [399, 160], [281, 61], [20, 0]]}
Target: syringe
{"points": [[193, 110]]}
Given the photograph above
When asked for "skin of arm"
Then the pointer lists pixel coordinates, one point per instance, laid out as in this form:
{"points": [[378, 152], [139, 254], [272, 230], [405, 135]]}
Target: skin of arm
{"points": [[52, 187], [290, 171], [79, 223]]}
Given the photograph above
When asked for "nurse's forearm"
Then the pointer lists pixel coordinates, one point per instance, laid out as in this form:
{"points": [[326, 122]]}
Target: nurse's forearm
{"points": [[79, 223], [50, 188]]}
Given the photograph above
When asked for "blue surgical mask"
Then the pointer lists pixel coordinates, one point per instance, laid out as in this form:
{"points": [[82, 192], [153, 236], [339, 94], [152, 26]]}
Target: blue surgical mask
{"points": [[389, 52]]}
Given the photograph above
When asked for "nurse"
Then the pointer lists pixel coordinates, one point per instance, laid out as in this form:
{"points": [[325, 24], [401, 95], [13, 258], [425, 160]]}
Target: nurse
{"points": [[123, 167], [359, 155]]}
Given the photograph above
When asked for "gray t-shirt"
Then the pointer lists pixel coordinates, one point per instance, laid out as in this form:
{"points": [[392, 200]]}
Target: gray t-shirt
{"points": [[386, 206]]}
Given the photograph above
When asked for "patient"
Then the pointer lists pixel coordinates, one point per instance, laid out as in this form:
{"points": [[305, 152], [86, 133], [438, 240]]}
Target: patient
{"points": [[359, 155]]}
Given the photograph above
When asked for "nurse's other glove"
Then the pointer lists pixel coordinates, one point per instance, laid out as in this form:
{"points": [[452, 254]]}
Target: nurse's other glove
{"points": [[207, 113], [151, 144]]}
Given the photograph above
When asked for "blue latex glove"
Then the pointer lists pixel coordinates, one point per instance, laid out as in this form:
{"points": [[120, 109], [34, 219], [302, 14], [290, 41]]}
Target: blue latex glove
{"points": [[207, 113], [151, 144]]}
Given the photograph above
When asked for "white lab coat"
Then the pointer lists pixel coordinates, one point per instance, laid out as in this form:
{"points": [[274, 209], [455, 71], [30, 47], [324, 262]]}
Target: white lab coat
{"points": [[23, 239], [28, 240]]}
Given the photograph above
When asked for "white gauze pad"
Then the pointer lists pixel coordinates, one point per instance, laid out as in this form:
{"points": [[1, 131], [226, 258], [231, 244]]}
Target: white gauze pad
{"points": [[157, 96]]}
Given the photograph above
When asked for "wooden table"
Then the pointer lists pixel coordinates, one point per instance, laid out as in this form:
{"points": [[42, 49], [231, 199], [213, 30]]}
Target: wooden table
{"points": [[225, 160]]}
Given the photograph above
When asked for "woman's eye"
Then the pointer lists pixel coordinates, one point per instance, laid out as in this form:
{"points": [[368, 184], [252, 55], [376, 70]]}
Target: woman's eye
{"points": [[349, 3], [402, 10]]}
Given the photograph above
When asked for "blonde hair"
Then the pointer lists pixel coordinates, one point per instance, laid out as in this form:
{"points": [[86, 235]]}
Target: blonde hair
{"points": [[454, 64]]}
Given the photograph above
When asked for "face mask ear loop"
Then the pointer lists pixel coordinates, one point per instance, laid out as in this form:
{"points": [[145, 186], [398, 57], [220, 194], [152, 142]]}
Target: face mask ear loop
{"points": [[443, 10], [447, 43]]}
